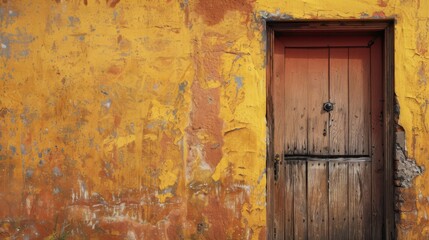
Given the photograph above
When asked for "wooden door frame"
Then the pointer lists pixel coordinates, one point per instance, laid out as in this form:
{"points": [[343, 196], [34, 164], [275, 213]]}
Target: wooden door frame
{"points": [[386, 28]]}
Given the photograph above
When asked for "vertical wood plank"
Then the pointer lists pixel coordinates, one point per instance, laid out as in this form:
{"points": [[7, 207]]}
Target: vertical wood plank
{"points": [[317, 93], [338, 200], [279, 136], [367, 214], [359, 75], [317, 199], [300, 200], [289, 208], [360, 200], [338, 134], [377, 120], [296, 74]]}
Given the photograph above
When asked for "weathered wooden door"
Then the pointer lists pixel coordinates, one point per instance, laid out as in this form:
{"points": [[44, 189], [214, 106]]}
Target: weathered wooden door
{"points": [[328, 136]]}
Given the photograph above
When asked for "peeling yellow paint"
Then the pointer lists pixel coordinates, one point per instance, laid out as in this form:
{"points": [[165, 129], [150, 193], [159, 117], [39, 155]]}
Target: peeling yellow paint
{"points": [[162, 197], [119, 142], [168, 175]]}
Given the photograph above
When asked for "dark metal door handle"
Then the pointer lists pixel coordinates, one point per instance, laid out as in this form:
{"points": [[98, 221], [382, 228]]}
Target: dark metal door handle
{"points": [[328, 106]]}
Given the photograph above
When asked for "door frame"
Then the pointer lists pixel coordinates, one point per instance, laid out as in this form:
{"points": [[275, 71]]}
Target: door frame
{"points": [[386, 28]]}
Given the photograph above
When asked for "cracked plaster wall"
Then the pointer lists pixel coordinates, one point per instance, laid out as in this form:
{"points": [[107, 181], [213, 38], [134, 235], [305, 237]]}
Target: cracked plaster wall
{"points": [[146, 119]]}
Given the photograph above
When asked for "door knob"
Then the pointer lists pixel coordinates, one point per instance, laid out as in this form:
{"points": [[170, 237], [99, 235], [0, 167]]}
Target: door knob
{"points": [[328, 106]]}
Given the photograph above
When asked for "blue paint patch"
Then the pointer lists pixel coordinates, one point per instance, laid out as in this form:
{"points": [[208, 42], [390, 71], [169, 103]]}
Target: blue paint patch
{"points": [[264, 39], [7, 17], [364, 15], [57, 172], [422, 74], [13, 13], [182, 86], [157, 124], [12, 149], [29, 172], [20, 40], [56, 190], [168, 190], [238, 82], [73, 21], [24, 53], [23, 150], [81, 37], [115, 15], [4, 45], [100, 130], [40, 155]]}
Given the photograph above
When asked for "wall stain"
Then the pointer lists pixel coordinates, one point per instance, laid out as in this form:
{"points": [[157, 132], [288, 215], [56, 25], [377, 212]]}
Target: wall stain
{"points": [[17, 41], [112, 3], [213, 11], [382, 3], [7, 16], [378, 15], [205, 127]]}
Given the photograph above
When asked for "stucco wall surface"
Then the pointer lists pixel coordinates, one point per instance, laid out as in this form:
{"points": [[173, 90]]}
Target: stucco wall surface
{"points": [[146, 119]]}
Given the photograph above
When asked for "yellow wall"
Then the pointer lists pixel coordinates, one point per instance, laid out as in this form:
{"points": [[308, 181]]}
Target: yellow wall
{"points": [[147, 118]]}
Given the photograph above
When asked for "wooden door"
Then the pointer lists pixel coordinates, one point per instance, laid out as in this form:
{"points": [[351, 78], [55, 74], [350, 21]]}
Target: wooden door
{"points": [[328, 125]]}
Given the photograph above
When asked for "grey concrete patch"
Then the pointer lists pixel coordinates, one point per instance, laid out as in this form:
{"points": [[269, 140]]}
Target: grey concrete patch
{"points": [[406, 168]]}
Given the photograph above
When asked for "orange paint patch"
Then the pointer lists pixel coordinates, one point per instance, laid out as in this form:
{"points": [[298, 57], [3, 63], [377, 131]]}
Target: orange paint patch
{"points": [[382, 3], [112, 3], [209, 53], [407, 206], [263, 233], [422, 45], [379, 14], [3, 112], [205, 121], [213, 11], [114, 70], [215, 209]]}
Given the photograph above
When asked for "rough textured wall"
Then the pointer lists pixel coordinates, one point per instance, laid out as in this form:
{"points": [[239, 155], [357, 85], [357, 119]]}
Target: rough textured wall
{"points": [[146, 119]]}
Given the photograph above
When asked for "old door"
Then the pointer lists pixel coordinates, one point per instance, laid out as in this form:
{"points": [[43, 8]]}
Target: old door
{"points": [[328, 128]]}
